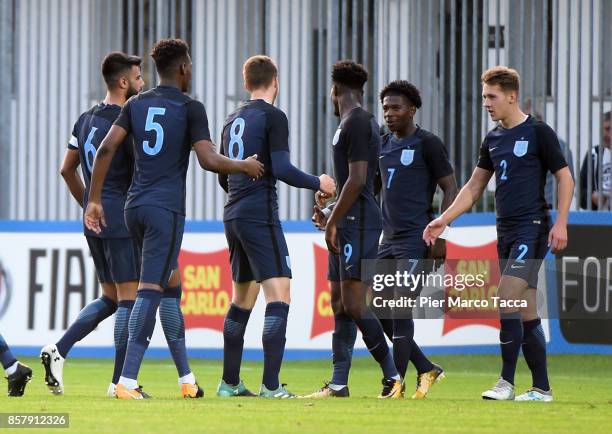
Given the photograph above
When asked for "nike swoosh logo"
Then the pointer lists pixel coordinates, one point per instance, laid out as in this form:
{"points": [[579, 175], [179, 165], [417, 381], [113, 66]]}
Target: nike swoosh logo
{"points": [[381, 157], [349, 266], [516, 267], [492, 149], [504, 343]]}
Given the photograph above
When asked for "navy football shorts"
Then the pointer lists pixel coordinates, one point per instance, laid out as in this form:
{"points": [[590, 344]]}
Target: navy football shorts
{"points": [[116, 259], [411, 247], [521, 248], [354, 244], [158, 234], [258, 250], [404, 254]]}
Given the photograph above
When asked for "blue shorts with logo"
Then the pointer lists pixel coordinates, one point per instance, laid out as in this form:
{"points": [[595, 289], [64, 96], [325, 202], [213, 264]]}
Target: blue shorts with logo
{"points": [[158, 234], [354, 244], [117, 260], [404, 254], [410, 247], [522, 246], [258, 250]]}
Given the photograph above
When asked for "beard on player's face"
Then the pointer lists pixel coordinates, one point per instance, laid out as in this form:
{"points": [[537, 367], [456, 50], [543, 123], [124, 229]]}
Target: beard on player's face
{"points": [[131, 91]]}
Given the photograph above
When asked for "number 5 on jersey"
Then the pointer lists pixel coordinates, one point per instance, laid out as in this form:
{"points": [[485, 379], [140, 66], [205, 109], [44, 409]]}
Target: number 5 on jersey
{"points": [[151, 125]]}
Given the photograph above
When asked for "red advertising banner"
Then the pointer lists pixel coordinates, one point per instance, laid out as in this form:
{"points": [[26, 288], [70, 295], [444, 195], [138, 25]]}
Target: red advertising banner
{"points": [[207, 288], [471, 261], [322, 314]]}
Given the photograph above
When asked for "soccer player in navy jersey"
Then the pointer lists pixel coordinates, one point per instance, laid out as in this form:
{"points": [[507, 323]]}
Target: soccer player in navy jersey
{"points": [[116, 259], [165, 125], [412, 163], [113, 252], [520, 151], [18, 374], [352, 232], [258, 250]]}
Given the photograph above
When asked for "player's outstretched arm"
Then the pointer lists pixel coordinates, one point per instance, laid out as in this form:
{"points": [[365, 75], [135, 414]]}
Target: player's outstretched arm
{"points": [[448, 185], [358, 174], [557, 238], [466, 198], [94, 214], [212, 161], [285, 171], [69, 172]]}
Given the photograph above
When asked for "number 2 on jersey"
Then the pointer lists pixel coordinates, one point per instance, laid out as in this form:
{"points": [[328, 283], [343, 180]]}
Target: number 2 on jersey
{"points": [[504, 166], [236, 139], [151, 125]]}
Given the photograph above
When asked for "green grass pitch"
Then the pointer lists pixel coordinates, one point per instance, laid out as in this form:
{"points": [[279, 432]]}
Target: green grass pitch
{"points": [[582, 388]]}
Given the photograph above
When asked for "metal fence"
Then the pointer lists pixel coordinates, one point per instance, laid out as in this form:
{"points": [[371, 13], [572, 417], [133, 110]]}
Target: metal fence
{"points": [[50, 52]]}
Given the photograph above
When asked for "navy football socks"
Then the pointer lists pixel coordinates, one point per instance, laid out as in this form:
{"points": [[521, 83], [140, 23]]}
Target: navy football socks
{"points": [[343, 341], [374, 338], [273, 339], [234, 327], [173, 324], [88, 319], [141, 326], [403, 341], [534, 351], [122, 318], [7, 359], [510, 339]]}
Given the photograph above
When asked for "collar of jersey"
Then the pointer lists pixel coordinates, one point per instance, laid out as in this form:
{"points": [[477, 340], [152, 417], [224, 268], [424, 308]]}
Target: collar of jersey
{"points": [[516, 127], [396, 143]]}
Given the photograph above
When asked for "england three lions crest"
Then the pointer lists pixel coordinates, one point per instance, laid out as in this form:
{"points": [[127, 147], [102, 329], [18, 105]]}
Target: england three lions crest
{"points": [[520, 147], [407, 157]]}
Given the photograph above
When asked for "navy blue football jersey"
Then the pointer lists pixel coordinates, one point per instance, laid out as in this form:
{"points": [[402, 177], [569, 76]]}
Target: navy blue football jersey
{"points": [[409, 169], [87, 134], [255, 127], [357, 139], [521, 157], [163, 123]]}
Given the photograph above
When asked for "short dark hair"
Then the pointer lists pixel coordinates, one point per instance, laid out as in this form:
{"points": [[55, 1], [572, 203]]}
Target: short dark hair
{"points": [[115, 64], [349, 74], [402, 88], [607, 116], [168, 54], [258, 72]]}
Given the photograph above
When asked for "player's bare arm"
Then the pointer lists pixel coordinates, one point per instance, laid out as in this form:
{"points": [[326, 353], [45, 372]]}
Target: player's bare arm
{"points": [[466, 198], [211, 160], [94, 214], [358, 173], [448, 185], [557, 238], [69, 172]]}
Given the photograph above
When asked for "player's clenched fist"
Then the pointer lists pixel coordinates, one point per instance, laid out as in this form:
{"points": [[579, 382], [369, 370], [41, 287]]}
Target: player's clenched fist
{"points": [[433, 230], [253, 167], [327, 184], [322, 198], [319, 218], [94, 217]]}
